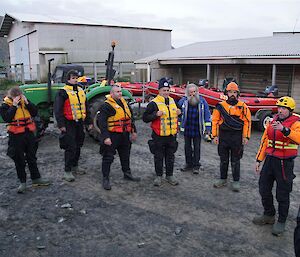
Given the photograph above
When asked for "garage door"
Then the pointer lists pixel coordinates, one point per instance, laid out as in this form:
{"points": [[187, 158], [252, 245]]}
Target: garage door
{"points": [[255, 78], [193, 73]]}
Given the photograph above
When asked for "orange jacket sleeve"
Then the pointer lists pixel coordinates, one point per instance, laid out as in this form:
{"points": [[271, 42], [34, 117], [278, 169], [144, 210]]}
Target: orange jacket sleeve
{"points": [[247, 122], [215, 120], [261, 154], [295, 132]]}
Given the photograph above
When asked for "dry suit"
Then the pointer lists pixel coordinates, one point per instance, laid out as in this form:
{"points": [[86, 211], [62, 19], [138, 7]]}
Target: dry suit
{"points": [[22, 145], [115, 121], [71, 112], [278, 149], [231, 122], [164, 130]]}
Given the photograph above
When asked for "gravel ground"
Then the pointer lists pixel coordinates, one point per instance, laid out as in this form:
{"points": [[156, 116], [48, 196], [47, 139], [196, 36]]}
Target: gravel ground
{"points": [[136, 219]]}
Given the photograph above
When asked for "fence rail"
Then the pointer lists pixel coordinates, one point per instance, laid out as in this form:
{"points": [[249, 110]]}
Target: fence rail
{"points": [[95, 70]]}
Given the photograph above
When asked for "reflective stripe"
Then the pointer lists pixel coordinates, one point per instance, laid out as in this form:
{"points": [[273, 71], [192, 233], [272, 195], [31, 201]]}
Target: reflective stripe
{"points": [[281, 145]]}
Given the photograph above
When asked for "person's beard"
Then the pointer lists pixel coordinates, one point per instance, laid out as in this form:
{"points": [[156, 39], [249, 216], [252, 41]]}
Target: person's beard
{"points": [[193, 100], [232, 100]]}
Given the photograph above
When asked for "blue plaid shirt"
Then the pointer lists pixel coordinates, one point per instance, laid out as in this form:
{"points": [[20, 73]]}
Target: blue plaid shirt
{"points": [[192, 127]]}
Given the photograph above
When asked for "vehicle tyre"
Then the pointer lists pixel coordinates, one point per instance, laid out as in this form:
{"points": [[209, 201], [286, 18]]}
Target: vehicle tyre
{"points": [[41, 126], [94, 107], [264, 120]]}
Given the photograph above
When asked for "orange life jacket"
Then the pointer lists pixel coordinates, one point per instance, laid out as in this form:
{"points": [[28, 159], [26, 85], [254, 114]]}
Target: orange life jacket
{"points": [[22, 119], [121, 121]]}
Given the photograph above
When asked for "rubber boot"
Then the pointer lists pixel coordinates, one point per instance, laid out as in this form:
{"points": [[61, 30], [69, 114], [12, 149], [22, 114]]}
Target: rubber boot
{"points": [[220, 183], [78, 171], [21, 188], [157, 181], [171, 180], [128, 176], [278, 228], [68, 176], [263, 220], [106, 184], [40, 182], [235, 186], [186, 168]]}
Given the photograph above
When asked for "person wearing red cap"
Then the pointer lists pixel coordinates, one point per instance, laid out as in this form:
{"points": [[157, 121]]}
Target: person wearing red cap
{"points": [[231, 129]]}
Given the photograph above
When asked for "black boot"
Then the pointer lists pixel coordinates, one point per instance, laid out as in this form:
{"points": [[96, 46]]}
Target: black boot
{"points": [[128, 176], [106, 184]]}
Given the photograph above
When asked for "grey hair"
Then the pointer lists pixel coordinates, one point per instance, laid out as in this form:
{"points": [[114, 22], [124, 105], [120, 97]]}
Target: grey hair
{"points": [[114, 86], [191, 86]]}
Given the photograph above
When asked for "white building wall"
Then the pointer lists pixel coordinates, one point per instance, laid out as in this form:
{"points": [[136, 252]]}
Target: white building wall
{"points": [[92, 43], [20, 29], [33, 56]]}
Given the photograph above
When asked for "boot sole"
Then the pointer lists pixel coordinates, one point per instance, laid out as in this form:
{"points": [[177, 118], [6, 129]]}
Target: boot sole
{"points": [[79, 173], [219, 186], [41, 185], [277, 234], [263, 223], [69, 180], [173, 184]]}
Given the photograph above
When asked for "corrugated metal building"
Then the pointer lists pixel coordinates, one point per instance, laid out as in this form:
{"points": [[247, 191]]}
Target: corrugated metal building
{"points": [[33, 39], [254, 62]]}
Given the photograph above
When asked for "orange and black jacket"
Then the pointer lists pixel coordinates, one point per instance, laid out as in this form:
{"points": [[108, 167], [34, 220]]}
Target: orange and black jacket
{"points": [[59, 104], [280, 144], [8, 112], [231, 117]]}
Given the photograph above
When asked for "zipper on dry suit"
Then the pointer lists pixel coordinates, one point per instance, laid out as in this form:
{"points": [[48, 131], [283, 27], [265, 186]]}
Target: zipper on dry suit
{"points": [[282, 170]]}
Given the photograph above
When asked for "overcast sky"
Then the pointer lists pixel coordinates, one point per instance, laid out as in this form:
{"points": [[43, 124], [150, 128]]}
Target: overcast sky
{"points": [[190, 20]]}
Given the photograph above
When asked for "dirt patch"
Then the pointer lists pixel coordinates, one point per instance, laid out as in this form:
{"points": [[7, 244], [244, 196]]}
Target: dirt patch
{"points": [[136, 219]]}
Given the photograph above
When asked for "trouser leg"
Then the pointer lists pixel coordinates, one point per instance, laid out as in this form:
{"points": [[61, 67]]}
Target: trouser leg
{"points": [[79, 142], [71, 146], [284, 187], [124, 153], [16, 151], [170, 149], [236, 155], [188, 151], [266, 181], [30, 155], [159, 154], [107, 159], [224, 160], [197, 152]]}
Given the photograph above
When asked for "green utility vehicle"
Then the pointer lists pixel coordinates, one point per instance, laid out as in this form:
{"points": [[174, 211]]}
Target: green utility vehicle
{"points": [[43, 95]]}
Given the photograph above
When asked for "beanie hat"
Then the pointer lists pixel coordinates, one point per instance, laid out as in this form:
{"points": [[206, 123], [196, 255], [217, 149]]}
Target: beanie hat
{"points": [[163, 82]]}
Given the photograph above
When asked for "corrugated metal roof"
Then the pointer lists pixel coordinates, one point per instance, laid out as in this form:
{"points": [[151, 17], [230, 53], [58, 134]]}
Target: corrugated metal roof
{"points": [[40, 18], [277, 45]]}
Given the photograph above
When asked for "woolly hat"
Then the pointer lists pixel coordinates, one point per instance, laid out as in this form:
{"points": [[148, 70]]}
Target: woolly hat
{"points": [[163, 82]]}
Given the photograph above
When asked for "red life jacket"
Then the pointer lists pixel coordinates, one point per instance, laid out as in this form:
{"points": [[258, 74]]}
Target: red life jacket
{"points": [[279, 145]]}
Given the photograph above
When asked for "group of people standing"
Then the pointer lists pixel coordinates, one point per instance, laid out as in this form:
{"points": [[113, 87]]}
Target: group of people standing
{"points": [[229, 126]]}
